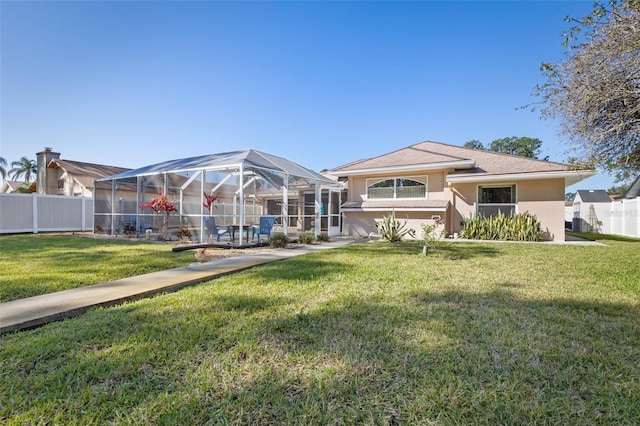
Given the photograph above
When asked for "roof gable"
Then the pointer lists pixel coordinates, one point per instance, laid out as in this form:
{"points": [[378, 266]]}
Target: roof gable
{"points": [[593, 196], [85, 173], [435, 153]]}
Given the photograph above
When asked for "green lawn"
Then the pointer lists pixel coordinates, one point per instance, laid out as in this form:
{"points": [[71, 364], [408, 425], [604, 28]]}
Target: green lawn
{"points": [[476, 333], [38, 264]]}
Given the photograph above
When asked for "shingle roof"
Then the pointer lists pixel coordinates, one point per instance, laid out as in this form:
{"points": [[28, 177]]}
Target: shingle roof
{"points": [[634, 189], [85, 173], [432, 153], [594, 196]]}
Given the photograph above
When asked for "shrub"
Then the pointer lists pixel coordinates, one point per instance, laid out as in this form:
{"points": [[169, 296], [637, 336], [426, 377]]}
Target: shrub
{"points": [[183, 233], [306, 238], [393, 230], [518, 227], [323, 237], [430, 235], [279, 240], [129, 229]]}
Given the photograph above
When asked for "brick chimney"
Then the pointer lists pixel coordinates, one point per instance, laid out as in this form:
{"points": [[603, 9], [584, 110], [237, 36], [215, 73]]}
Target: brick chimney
{"points": [[47, 180]]}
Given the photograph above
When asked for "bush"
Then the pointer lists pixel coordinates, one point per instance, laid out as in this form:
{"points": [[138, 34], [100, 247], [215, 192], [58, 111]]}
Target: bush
{"points": [[279, 240], [430, 235], [323, 237], [306, 238], [393, 230], [518, 227]]}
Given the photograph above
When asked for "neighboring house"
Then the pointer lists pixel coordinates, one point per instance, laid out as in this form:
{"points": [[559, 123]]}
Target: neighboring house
{"points": [[11, 186], [66, 177], [592, 211], [434, 181], [568, 215], [633, 191]]}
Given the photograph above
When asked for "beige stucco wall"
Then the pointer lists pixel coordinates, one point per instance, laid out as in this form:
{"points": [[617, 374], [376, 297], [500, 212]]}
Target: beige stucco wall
{"points": [[360, 224], [542, 198], [545, 199]]}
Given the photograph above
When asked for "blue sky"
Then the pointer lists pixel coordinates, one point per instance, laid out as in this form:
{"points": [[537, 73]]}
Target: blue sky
{"points": [[321, 83]]}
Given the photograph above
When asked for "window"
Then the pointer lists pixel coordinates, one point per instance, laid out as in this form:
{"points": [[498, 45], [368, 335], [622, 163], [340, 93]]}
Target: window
{"points": [[60, 183], [397, 188], [494, 199]]}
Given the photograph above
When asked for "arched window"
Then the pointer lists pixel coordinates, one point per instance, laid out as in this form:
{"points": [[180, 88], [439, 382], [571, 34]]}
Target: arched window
{"points": [[397, 188]]}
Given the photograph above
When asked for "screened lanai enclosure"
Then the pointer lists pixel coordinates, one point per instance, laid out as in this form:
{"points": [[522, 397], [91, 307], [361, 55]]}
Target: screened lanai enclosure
{"points": [[248, 187]]}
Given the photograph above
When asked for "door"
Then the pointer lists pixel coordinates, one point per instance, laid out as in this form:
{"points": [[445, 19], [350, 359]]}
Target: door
{"points": [[330, 218]]}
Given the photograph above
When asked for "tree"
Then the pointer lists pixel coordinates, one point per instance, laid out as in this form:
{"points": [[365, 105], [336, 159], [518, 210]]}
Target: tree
{"points": [[522, 147], [163, 206], [23, 167], [594, 92], [3, 170], [474, 144], [619, 189], [569, 196]]}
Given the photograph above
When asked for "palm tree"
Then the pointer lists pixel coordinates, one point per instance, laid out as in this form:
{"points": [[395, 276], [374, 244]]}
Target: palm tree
{"points": [[24, 167], [3, 170]]}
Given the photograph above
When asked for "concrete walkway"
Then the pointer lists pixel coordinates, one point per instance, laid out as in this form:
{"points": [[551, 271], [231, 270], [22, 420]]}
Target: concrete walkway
{"points": [[39, 310]]}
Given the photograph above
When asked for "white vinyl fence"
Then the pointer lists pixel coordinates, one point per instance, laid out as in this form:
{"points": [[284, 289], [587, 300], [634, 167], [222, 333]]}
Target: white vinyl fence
{"points": [[44, 213], [625, 217]]}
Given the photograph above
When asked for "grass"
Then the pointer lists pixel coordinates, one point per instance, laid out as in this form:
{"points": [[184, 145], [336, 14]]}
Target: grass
{"points": [[38, 264], [475, 333], [603, 237]]}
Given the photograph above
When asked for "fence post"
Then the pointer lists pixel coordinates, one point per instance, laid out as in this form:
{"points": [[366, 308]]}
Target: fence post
{"points": [[83, 212], [34, 205]]}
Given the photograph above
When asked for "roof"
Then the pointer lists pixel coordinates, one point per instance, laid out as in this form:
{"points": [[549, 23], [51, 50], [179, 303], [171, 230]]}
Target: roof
{"points": [[12, 185], [468, 164], [634, 189], [85, 173], [594, 196], [400, 205], [250, 158]]}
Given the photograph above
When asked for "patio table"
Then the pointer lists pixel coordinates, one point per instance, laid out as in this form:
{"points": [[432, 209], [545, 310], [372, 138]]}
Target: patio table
{"points": [[236, 228]]}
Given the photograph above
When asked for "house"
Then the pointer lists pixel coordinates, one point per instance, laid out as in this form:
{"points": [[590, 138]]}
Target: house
{"points": [[634, 190], [592, 211], [11, 186], [65, 177], [432, 181]]}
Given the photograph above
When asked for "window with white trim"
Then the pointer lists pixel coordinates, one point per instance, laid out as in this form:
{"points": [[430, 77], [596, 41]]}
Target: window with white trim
{"points": [[406, 187], [493, 199]]}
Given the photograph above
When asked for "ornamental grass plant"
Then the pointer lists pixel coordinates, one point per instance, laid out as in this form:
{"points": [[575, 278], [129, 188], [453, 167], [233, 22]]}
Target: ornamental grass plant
{"points": [[516, 227], [483, 333]]}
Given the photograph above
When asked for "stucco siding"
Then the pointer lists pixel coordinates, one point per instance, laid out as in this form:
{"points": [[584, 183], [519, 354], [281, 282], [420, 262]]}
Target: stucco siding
{"points": [[545, 200], [361, 224], [542, 198]]}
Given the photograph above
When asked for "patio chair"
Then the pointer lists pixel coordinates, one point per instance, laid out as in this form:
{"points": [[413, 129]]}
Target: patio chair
{"points": [[142, 226], [210, 223], [266, 224]]}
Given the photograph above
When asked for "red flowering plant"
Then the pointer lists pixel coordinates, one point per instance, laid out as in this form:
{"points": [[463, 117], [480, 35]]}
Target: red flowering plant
{"points": [[161, 205], [209, 199]]}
